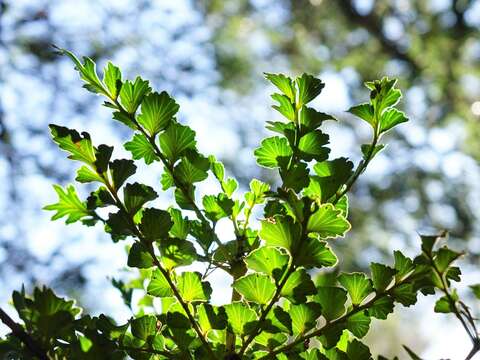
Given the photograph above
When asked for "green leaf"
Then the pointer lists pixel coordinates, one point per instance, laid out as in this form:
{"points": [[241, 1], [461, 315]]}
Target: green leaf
{"points": [[118, 225], [309, 88], [403, 265], [86, 175], [241, 318], [211, 317], [176, 140], [268, 260], [68, 205], [255, 287], [381, 308], [443, 306], [191, 287], [405, 294], [139, 257], [177, 252], [311, 119], [304, 316], [367, 151], [281, 231], [332, 299], [312, 146], [132, 94], [278, 320], [358, 351], [78, 146], [181, 226], [391, 118], [284, 107], [364, 112], [157, 111], [382, 276], [294, 177], [298, 286], [141, 148], [136, 195], [358, 324], [331, 175], [476, 290], [87, 72], [155, 224], [100, 198], [272, 151], [217, 207], [283, 83], [357, 285], [144, 326], [112, 78], [121, 170], [158, 285], [314, 253], [328, 222], [445, 257], [188, 173]]}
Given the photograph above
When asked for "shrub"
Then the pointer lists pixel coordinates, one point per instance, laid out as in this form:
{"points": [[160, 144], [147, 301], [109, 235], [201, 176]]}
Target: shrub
{"points": [[277, 308]]}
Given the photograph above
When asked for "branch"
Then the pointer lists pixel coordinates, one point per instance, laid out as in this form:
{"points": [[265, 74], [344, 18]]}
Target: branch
{"points": [[360, 169], [331, 324], [164, 272], [19, 333]]}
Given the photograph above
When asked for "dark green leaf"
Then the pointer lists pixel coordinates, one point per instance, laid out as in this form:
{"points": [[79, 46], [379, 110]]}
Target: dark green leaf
{"points": [[332, 299], [136, 195], [382, 276], [139, 257], [121, 170], [155, 224]]}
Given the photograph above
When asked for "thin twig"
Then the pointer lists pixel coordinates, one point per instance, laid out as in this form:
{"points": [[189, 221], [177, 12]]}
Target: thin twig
{"points": [[24, 337]]}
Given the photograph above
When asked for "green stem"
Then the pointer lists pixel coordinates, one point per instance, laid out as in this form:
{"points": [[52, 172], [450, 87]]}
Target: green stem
{"points": [[360, 169]]}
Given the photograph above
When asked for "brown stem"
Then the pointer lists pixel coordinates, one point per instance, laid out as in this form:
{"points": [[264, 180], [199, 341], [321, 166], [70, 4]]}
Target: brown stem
{"points": [[19, 333]]}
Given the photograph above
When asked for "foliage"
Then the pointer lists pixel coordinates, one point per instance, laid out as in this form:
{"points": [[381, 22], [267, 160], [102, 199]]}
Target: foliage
{"points": [[276, 308]]}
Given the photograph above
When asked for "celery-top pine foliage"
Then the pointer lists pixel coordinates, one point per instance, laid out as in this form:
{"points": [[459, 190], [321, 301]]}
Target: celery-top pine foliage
{"points": [[289, 299]]}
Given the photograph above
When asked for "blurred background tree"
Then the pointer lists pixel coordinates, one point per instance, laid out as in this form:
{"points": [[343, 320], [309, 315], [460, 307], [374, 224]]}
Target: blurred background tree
{"points": [[428, 179]]}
